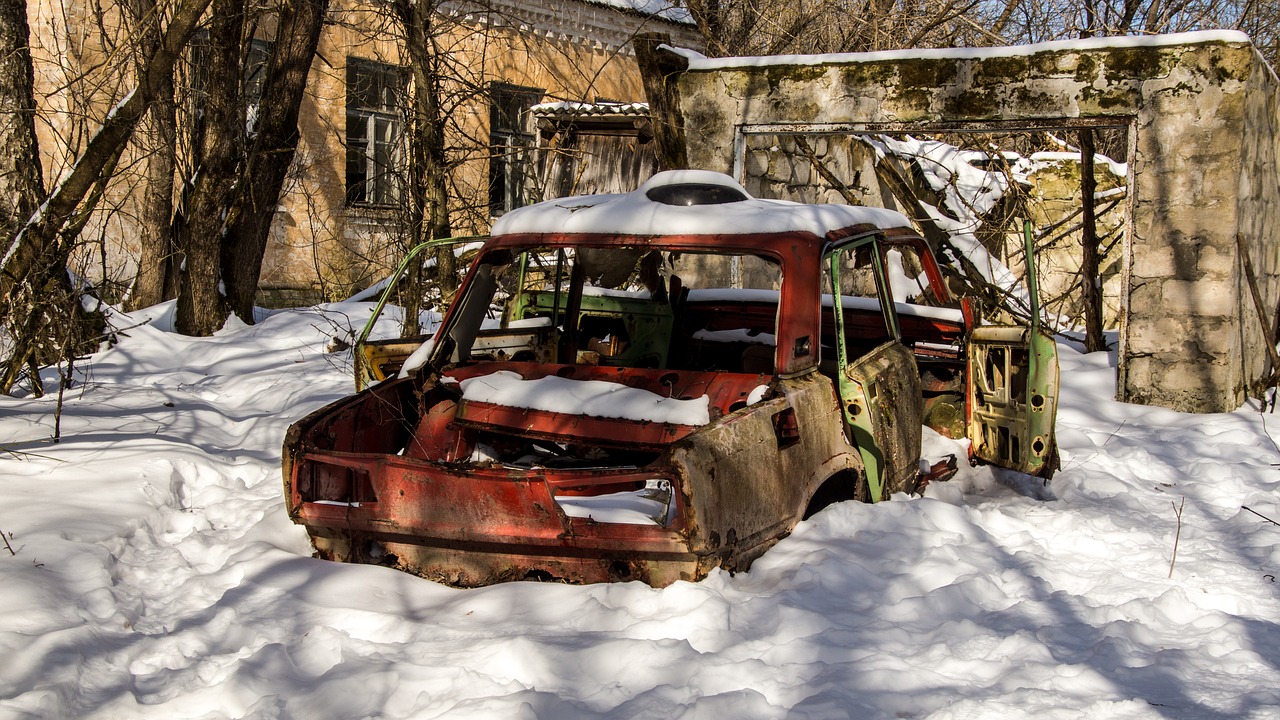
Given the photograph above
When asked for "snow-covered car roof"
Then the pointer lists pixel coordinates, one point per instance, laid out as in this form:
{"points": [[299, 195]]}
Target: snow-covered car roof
{"points": [[688, 202]]}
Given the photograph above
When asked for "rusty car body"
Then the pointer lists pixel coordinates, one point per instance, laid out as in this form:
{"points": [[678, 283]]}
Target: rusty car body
{"points": [[651, 385]]}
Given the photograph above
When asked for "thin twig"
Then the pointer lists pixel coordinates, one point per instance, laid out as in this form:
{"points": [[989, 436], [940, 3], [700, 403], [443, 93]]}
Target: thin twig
{"points": [[23, 455], [1255, 512], [1177, 509], [5, 535], [63, 381]]}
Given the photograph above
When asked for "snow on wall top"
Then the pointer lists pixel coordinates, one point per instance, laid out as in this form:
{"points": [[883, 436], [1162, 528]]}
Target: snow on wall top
{"points": [[634, 213], [585, 109], [698, 61], [653, 8]]}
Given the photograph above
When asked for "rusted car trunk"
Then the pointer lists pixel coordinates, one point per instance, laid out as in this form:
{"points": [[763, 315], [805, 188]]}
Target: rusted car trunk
{"points": [[473, 523]]}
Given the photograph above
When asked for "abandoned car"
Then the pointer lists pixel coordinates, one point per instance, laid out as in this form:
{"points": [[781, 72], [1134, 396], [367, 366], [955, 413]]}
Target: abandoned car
{"points": [[654, 384]]}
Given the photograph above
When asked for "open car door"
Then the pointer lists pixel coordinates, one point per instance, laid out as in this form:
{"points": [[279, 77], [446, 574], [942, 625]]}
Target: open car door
{"points": [[1013, 391], [877, 378]]}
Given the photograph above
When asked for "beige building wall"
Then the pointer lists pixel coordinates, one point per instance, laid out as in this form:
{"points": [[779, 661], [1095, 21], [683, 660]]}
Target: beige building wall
{"points": [[569, 50]]}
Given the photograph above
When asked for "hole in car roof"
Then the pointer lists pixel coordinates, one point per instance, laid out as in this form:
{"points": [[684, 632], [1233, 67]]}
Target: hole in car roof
{"points": [[688, 194]]}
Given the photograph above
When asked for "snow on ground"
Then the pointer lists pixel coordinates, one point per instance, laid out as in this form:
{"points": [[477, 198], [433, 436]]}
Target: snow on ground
{"points": [[156, 575]]}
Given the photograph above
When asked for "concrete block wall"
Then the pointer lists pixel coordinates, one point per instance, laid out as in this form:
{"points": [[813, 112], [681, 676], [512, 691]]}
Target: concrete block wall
{"points": [[1182, 341], [1259, 216]]}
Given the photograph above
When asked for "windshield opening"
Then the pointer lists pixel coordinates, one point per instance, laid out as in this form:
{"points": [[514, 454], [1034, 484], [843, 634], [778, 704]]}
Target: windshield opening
{"points": [[618, 306]]}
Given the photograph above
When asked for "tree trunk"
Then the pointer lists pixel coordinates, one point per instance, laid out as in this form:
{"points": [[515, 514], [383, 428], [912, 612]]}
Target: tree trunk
{"points": [[202, 309], [32, 282], [1090, 262], [658, 70], [271, 151], [157, 279], [428, 207], [103, 149], [21, 180]]}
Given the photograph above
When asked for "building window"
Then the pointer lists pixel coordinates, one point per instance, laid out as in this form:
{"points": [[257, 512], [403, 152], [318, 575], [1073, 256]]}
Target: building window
{"points": [[510, 140], [253, 77], [374, 90], [255, 71]]}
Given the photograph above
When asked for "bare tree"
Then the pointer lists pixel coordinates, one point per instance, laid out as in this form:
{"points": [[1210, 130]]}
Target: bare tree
{"points": [[739, 27], [157, 276], [202, 308], [1090, 247], [273, 143], [242, 157], [42, 317], [1040, 20], [427, 212]]}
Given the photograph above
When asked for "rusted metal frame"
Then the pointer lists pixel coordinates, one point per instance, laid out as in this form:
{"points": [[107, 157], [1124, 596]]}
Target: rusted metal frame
{"points": [[603, 550], [387, 397], [796, 251], [520, 281], [489, 563], [624, 544], [797, 334], [1029, 420], [872, 456], [853, 242], [569, 337], [532, 553], [586, 539], [362, 374], [564, 427], [555, 310], [754, 243], [574, 486], [1033, 284], [908, 238]]}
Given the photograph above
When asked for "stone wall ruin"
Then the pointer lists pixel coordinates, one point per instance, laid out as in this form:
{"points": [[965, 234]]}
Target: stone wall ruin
{"points": [[1202, 114]]}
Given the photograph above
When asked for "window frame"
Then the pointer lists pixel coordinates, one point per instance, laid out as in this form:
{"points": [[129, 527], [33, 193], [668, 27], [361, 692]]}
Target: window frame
{"points": [[374, 105], [511, 142]]}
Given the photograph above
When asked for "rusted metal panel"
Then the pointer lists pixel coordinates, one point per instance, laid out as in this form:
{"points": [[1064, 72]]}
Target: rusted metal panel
{"points": [[883, 409], [476, 565], [469, 503], [542, 424], [745, 486], [1012, 398]]}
